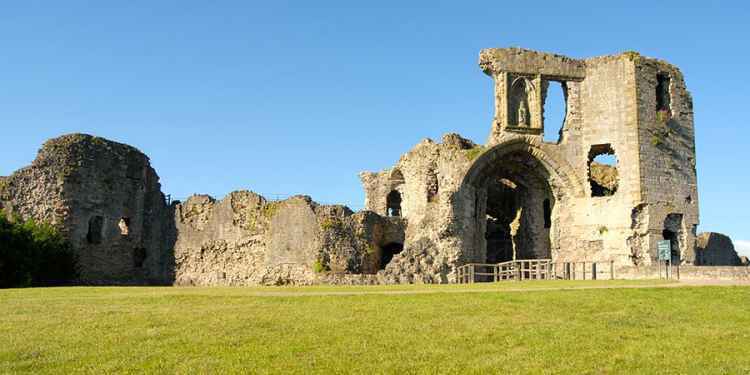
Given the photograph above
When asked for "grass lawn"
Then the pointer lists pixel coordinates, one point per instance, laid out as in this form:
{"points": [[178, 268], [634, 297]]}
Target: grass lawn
{"points": [[481, 328]]}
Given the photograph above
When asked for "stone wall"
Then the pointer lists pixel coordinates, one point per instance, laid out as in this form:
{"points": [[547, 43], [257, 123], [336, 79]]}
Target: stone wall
{"points": [[609, 124], [244, 239], [667, 156], [106, 199], [686, 272]]}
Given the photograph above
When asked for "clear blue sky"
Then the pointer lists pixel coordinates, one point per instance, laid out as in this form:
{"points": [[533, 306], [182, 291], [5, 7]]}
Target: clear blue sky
{"points": [[285, 98]]}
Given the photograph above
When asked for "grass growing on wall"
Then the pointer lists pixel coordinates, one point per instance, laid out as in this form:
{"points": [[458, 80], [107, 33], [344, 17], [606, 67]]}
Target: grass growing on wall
{"points": [[474, 153], [445, 329]]}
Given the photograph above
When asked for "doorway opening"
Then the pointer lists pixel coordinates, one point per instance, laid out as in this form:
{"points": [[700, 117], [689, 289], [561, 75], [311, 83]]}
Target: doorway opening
{"points": [[673, 233], [393, 203], [518, 210], [388, 251]]}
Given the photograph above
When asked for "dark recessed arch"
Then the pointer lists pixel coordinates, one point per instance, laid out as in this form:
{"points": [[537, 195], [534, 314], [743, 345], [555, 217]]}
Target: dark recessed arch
{"points": [[515, 188]]}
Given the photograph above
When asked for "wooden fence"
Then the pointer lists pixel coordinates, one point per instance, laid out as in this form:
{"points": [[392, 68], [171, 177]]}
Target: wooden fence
{"points": [[534, 269]]}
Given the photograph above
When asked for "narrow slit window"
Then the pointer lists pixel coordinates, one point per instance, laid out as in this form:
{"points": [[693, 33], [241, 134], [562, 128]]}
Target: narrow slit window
{"points": [[555, 111], [662, 93]]}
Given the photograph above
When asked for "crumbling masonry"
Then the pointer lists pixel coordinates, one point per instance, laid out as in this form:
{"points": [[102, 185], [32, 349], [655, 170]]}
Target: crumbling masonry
{"points": [[620, 177]]}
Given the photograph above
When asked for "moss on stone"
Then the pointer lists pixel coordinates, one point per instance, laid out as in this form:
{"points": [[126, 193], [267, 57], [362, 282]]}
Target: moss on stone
{"points": [[657, 140], [632, 55], [474, 153], [660, 134], [662, 116], [330, 223], [270, 209]]}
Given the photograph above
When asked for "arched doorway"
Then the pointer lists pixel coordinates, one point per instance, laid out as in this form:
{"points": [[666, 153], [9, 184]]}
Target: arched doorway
{"points": [[516, 190], [514, 194]]}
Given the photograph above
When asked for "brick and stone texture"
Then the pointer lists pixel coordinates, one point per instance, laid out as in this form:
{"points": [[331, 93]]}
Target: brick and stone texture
{"points": [[620, 178]]}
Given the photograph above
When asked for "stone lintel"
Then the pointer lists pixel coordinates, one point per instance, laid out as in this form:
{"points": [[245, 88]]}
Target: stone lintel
{"points": [[524, 130], [518, 60]]}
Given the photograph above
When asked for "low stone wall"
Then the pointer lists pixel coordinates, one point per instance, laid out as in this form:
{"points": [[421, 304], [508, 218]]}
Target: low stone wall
{"points": [[244, 239], [685, 272]]}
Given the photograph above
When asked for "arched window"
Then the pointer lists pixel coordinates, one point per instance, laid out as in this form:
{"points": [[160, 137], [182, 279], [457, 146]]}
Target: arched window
{"points": [[393, 203], [555, 109], [519, 110]]}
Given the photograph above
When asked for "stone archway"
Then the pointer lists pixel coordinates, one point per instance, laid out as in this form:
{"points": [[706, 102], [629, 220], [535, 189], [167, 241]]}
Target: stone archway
{"points": [[515, 193]]}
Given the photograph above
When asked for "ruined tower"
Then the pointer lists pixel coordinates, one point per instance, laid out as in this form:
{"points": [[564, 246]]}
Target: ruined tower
{"points": [[106, 199], [521, 197]]}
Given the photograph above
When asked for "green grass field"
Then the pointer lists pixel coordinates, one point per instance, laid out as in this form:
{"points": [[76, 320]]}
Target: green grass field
{"points": [[481, 328]]}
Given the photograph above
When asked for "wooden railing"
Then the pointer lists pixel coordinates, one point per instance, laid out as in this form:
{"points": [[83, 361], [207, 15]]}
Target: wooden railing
{"points": [[534, 269], [583, 270]]}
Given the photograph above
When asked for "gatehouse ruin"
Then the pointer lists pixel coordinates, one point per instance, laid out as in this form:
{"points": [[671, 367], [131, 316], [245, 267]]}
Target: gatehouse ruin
{"points": [[619, 177]]}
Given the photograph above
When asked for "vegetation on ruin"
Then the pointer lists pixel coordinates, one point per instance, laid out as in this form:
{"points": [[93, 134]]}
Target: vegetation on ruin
{"points": [[660, 134], [473, 153], [662, 116], [3, 188], [330, 223], [33, 254], [656, 140], [437, 329], [632, 55], [319, 267], [269, 210]]}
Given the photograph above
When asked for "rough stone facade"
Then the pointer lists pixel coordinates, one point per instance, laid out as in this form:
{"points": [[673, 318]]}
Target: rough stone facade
{"points": [[716, 249], [107, 200], [245, 240], [440, 206]]}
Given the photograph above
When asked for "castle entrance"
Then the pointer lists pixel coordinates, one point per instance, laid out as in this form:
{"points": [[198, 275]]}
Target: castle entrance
{"points": [[517, 206], [514, 187]]}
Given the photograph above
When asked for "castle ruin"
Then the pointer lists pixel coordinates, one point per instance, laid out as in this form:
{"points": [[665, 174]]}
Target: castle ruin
{"points": [[620, 177]]}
